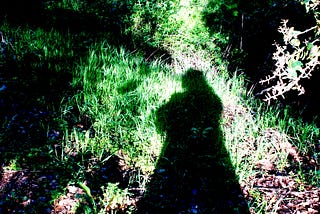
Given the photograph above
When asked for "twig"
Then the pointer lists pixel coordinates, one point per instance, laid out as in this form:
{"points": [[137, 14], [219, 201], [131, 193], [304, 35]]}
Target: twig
{"points": [[5, 42], [2, 39]]}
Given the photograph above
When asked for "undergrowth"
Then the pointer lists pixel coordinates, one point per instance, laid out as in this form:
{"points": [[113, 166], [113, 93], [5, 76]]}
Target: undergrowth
{"points": [[107, 114]]}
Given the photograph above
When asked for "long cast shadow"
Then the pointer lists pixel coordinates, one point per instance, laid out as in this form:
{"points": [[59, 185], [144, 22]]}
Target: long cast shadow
{"points": [[194, 173]]}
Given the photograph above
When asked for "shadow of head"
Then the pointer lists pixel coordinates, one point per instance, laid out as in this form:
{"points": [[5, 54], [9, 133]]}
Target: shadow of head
{"points": [[193, 80], [195, 109]]}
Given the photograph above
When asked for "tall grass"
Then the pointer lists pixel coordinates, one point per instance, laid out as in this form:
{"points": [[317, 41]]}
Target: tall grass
{"points": [[117, 93], [120, 92], [255, 131]]}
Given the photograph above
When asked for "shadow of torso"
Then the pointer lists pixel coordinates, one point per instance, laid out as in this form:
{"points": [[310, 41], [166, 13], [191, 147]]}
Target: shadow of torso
{"points": [[194, 173]]}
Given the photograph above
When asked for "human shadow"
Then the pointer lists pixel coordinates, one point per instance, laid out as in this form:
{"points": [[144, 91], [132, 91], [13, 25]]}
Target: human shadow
{"points": [[194, 173]]}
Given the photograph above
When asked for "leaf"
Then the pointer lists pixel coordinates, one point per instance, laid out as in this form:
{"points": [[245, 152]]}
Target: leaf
{"points": [[295, 42], [293, 33], [314, 52], [85, 188], [293, 67], [291, 73], [297, 65], [309, 46], [87, 209], [88, 192]]}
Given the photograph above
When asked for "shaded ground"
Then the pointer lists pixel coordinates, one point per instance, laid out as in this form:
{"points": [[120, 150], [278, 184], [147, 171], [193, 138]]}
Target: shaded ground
{"points": [[41, 191]]}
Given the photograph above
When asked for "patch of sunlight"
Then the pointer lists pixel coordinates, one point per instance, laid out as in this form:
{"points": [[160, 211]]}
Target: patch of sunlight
{"points": [[192, 31], [189, 15]]}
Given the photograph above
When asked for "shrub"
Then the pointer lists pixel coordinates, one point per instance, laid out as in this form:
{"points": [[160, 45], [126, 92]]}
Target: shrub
{"points": [[296, 58]]}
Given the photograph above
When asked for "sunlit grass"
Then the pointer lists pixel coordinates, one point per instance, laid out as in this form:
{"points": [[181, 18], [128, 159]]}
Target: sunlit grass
{"points": [[255, 131], [117, 91], [121, 92]]}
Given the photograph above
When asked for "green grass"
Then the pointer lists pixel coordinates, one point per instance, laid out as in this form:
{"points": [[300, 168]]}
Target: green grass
{"points": [[120, 92], [108, 108]]}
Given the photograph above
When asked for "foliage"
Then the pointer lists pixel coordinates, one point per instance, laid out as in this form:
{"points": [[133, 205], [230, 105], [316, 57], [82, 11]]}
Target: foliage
{"points": [[112, 85], [296, 59], [83, 109], [113, 196], [178, 28], [150, 17]]}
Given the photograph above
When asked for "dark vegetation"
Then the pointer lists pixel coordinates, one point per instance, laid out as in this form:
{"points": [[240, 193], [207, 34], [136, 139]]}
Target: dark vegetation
{"points": [[33, 86], [253, 30]]}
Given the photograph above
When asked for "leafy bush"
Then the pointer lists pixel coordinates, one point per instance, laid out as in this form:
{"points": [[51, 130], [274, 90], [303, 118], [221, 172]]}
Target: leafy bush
{"points": [[151, 20], [177, 27], [296, 59], [103, 137]]}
